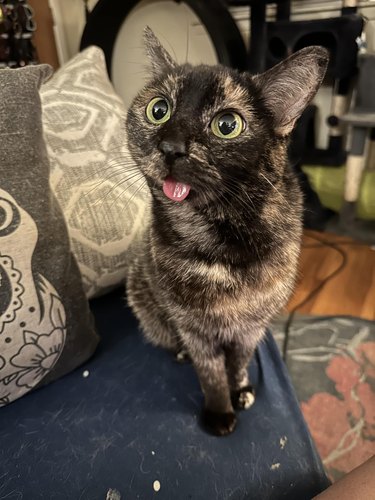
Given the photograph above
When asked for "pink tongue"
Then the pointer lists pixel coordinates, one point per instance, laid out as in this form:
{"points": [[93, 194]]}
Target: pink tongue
{"points": [[176, 191]]}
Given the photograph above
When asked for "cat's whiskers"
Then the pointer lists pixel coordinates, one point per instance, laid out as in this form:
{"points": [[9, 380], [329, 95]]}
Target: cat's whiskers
{"points": [[127, 202], [120, 171], [123, 154], [121, 161], [250, 200], [274, 187], [229, 184], [110, 166], [109, 178], [120, 166], [238, 234], [95, 185], [246, 208]]}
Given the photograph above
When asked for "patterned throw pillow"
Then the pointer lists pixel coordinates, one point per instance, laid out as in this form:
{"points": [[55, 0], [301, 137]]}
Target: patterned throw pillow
{"points": [[46, 329], [101, 192]]}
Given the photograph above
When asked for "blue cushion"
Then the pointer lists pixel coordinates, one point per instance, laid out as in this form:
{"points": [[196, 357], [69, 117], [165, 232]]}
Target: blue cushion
{"points": [[134, 420]]}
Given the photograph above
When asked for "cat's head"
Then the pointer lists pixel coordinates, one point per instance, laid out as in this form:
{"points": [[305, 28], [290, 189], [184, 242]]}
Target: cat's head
{"points": [[197, 133]]}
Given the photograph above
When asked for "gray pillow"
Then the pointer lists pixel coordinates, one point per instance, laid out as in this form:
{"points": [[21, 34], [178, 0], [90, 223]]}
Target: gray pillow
{"points": [[46, 328], [102, 193]]}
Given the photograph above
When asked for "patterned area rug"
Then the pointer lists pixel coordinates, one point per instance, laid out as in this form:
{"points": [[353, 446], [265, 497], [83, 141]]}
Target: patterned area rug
{"points": [[332, 365]]}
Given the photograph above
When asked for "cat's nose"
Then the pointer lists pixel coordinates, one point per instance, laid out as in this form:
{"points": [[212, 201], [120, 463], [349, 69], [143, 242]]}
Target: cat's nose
{"points": [[173, 149]]}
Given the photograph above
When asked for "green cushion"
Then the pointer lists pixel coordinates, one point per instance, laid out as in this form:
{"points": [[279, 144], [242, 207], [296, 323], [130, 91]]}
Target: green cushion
{"points": [[329, 182]]}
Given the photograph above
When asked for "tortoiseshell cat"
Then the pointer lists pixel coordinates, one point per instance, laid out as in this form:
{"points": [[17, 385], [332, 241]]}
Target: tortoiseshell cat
{"points": [[219, 258]]}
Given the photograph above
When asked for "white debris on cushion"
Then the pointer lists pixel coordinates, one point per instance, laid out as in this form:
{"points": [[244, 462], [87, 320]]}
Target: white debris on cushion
{"points": [[283, 441], [156, 485]]}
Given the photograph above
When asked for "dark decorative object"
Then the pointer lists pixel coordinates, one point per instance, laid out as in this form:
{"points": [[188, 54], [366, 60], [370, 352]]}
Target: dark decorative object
{"points": [[17, 26]]}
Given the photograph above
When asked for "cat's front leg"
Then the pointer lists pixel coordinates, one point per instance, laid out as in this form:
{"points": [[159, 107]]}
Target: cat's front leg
{"points": [[209, 362], [142, 298], [237, 359]]}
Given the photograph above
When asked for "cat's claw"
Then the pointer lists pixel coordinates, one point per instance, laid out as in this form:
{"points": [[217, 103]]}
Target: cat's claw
{"points": [[219, 424], [243, 398], [182, 357]]}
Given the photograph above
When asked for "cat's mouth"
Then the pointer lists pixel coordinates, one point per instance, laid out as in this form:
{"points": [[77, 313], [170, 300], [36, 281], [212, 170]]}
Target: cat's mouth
{"points": [[174, 190]]}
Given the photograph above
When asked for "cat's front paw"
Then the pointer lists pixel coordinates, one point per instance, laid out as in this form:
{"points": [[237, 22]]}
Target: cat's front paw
{"points": [[219, 424], [243, 398]]}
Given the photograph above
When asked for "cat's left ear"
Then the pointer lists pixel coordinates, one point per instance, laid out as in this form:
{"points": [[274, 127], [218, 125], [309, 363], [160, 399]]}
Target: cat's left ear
{"points": [[289, 86], [160, 59]]}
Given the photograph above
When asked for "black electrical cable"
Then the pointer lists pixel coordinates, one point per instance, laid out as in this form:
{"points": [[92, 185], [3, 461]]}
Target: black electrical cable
{"points": [[339, 244], [322, 243]]}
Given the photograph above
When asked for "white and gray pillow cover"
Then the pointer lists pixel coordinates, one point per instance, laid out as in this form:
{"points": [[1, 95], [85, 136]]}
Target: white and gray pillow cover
{"points": [[92, 173]]}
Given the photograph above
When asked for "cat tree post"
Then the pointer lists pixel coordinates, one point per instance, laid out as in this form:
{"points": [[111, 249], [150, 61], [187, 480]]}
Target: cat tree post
{"points": [[371, 151], [362, 120], [340, 99], [355, 165]]}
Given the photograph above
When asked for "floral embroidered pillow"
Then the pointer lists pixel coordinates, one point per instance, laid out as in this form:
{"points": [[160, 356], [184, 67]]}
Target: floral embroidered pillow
{"points": [[46, 329]]}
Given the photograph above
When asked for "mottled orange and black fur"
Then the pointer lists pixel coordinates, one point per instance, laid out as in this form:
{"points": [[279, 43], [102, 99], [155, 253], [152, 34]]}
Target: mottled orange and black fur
{"points": [[214, 269]]}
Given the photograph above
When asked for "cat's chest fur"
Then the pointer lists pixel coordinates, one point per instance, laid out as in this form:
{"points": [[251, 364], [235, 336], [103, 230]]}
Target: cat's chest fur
{"points": [[218, 281]]}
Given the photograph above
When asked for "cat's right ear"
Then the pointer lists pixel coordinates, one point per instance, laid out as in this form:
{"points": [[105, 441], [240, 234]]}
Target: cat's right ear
{"points": [[160, 60]]}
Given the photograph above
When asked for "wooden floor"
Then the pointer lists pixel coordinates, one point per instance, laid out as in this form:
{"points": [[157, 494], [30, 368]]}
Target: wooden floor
{"points": [[351, 292]]}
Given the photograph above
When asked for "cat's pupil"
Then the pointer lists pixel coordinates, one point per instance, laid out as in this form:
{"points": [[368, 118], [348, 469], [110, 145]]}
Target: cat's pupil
{"points": [[159, 109], [227, 124]]}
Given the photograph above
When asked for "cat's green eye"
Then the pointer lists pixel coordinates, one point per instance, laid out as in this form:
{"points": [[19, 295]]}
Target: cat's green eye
{"points": [[227, 125], [158, 111]]}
